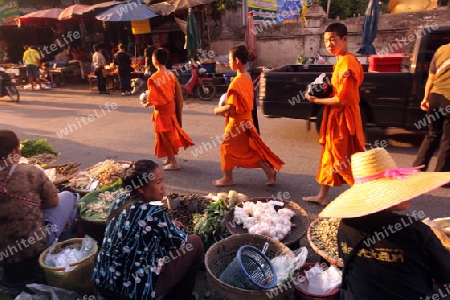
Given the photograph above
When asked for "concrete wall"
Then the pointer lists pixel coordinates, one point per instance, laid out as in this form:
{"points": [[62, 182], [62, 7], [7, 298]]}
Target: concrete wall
{"points": [[280, 44]]}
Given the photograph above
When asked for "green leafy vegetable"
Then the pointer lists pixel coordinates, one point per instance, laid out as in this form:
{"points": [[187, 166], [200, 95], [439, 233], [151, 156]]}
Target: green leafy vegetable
{"points": [[30, 148], [209, 226]]}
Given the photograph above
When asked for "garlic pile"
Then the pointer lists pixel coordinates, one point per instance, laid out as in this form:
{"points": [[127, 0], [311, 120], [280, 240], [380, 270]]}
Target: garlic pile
{"points": [[262, 218], [232, 198]]}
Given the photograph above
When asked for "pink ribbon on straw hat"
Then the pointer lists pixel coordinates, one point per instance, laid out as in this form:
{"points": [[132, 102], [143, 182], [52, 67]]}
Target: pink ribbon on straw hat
{"points": [[398, 173]]}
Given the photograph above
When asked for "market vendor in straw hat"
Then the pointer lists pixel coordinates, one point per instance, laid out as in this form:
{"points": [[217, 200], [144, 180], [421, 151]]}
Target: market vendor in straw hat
{"points": [[387, 255]]}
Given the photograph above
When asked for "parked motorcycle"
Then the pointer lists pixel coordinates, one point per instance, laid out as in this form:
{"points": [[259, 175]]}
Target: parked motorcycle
{"points": [[8, 88], [201, 86]]}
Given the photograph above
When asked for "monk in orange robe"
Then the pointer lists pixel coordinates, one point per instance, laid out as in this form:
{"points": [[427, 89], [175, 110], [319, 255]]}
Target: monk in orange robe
{"points": [[162, 88], [242, 146], [341, 131]]}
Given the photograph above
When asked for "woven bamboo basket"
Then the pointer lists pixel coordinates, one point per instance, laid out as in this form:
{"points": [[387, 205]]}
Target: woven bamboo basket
{"points": [[84, 192], [332, 259], [63, 179], [222, 253], [79, 279], [300, 222]]}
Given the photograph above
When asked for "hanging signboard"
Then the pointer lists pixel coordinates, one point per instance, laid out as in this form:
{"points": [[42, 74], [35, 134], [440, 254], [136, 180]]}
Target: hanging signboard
{"points": [[140, 27], [9, 10], [263, 10], [288, 11]]}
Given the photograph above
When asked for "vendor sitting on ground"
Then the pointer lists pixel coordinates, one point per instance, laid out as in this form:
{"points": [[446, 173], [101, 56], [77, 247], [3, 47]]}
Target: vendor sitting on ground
{"points": [[45, 75], [387, 255], [145, 254], [32, 213]]}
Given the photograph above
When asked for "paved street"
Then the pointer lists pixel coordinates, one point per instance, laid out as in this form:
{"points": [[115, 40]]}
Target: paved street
{"points": [[88, 127]]}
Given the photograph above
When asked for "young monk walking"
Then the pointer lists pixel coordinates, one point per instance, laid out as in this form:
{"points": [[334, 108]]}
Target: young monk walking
{"points": [[241, 145], [341, 132], [169, 136]]}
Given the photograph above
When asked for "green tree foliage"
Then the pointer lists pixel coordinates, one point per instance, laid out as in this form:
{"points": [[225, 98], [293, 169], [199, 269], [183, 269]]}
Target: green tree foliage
{"points": [[219, 6], [347, 8]]}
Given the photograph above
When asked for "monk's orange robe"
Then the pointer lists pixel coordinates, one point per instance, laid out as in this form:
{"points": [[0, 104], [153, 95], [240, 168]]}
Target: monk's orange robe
{"points": [[168, 133], [341, 131], [242, 146]]}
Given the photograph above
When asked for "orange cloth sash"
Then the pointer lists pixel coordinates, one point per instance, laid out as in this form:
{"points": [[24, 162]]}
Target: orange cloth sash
{"points": [[242, 146], [341, 131]]}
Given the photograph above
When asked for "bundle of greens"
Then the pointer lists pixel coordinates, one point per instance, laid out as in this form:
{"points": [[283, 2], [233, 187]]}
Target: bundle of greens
{"points": [[209, 226], [30, 148]]}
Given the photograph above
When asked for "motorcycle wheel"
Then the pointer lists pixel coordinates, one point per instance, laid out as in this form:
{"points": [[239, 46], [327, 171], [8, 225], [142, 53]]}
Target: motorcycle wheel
{"points": [[12, 92], [206, 91], [184, 92]]}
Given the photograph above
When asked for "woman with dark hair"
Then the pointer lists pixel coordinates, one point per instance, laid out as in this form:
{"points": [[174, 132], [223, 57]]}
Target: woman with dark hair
{"points": [[242, 146], [145, 254], [164, 92], [123, 62], [33, 214]]}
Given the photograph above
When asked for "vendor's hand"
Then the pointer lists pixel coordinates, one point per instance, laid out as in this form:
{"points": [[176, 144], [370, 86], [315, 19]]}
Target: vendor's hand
{"points": [[425, 105], [178, 224]]}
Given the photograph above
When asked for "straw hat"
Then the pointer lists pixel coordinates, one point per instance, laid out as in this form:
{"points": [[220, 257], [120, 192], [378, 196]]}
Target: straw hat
{"points": [[379, 184]]}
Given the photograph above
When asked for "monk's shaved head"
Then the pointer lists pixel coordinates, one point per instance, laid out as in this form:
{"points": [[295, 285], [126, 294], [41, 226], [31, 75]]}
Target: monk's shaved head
{"points": [[339, 28]]}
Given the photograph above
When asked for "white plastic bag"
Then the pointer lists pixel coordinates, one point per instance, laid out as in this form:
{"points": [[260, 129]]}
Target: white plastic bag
{"points": [[286, 265], [319, 281]]}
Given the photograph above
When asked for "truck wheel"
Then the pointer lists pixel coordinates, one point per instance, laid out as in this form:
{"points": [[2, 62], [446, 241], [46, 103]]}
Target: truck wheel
{"points": [[320, 117]]}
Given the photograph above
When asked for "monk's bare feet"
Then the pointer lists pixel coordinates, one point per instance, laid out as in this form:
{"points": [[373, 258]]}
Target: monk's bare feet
{"points": [[166, 161], [171, 167], [272, 177], [317, 199], [222, 182]]}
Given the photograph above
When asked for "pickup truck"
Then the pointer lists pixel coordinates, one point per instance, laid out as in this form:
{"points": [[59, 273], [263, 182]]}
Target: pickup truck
{"points": [[390, 99]]}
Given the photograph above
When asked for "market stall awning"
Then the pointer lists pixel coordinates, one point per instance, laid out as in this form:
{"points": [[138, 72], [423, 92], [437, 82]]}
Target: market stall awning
{"points": [[40, 17], [127, 11], [93, 10], [69, 12], [167, 7]]}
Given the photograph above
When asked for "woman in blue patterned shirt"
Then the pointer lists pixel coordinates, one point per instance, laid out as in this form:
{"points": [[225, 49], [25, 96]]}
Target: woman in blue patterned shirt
{"points": [[145, 254]]}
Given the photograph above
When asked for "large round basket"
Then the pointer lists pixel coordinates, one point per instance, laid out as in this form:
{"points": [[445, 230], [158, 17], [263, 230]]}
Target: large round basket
{"points": [[67, 177], [322, 236], [79, 279], [300, 222], [84, 192], [95, 229], [222, 253]]}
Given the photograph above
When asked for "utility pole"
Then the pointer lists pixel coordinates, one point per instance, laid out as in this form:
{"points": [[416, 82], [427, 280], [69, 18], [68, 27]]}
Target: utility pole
{"points": [[328, 8]]}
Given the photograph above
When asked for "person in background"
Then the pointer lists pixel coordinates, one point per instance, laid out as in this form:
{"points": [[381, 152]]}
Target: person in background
{"points": [[341, 132], [31, 209], [241, 145], [123, 61], [387, 255], [436, 102], [99, 62], [139, 237], [164, 93], [131, 46], [32, 60], [79, 54], [45, 76], [148, 53], [113, 49]]}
